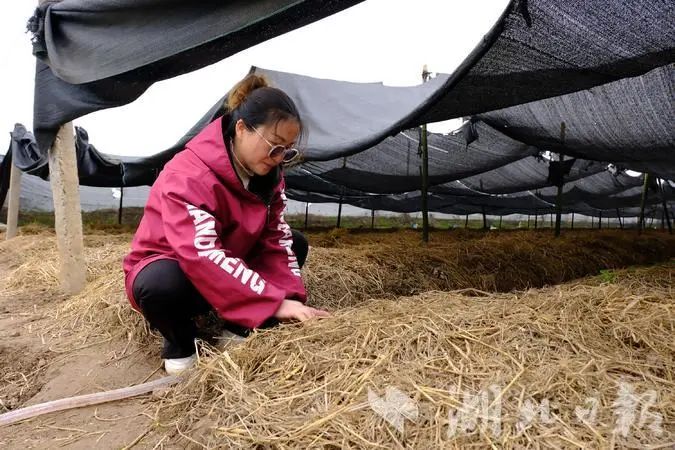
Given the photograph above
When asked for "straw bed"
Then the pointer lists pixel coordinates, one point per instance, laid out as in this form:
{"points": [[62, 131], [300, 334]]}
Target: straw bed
{"points": [[351, 269], [321, 384]]}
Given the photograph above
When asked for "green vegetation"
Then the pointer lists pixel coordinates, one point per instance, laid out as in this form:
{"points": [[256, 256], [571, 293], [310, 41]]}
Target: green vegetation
{"points": [[607, 276]]}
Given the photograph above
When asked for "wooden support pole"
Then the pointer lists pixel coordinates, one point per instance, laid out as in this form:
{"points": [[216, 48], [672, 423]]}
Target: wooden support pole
{"points": [[618, 216], [342, 193], [643, 202], [536, 220], [668, 221], [425, 185], [13, 200], [425, 171], [500, 221], [466, 222], [485, 222], [558, 198], [600, 221], [119, 211], [372, 219], [528, 221], [339, 216], [664, 204], [306, 215], [67, 213], [572, 224]]}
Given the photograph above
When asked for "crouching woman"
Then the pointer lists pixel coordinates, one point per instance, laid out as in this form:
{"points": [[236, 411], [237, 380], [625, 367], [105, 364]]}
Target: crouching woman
{"points": [[213, 235]]}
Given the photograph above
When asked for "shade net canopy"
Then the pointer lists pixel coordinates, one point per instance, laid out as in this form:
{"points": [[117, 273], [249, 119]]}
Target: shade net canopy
{"points": [[588, 79], [94, 55], [525, 203], [629, 122], [549, 48], [97, 54], [393, 165]]}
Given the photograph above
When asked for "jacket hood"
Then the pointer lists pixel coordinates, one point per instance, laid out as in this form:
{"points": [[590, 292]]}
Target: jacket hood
{"points": [[210, 147]]}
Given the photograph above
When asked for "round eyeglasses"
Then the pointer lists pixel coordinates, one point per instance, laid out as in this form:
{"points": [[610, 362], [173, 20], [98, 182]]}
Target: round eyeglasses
{"points": [[288, 154]]}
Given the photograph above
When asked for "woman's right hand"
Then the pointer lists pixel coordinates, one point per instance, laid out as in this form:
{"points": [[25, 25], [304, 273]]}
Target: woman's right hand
{"points": [[294, 310]]}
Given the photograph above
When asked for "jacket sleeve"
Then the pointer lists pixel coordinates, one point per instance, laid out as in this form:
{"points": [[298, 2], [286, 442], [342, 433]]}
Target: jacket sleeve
{"points": [[273, 257], [238, 293]]}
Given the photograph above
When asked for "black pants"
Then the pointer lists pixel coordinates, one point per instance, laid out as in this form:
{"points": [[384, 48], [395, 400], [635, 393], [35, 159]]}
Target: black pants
{"points": [[169, 301]]}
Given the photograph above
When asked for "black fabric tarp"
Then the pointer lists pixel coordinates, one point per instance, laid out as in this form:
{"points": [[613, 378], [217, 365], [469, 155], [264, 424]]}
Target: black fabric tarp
{"points": [[638, 138], [548, 48], [341, 118], [629, 122], [94, 168], [601, 188], [393, 165], [524, 203], [492, 163], [528, 173], [538, 49], [587, 182], [97, 54]]}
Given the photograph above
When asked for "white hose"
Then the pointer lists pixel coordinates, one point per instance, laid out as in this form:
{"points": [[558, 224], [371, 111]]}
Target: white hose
{"points": [[84, 400]]}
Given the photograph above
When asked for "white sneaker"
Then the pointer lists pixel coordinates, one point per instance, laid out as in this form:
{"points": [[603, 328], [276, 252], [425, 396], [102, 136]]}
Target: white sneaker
{"points": [[228, 336], [176, 366]]}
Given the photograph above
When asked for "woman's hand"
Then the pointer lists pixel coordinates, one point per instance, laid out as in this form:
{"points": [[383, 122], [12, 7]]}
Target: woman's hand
{"points": [[294, 310]]}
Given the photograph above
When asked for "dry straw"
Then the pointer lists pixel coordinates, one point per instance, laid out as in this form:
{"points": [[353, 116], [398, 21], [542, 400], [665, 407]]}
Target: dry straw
{"points": [[353, 267], [576, 346], [99, 312], [307, 386], [343, 270]]}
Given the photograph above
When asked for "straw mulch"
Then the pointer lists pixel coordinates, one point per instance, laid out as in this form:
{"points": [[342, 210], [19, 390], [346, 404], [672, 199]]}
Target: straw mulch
{"points": [[100, 312], [587, 364], [352, 267], [349, 269]]}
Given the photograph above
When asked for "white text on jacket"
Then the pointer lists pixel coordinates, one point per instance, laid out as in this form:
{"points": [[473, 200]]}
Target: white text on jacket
{"points": [[205, 243], [286, 240]]}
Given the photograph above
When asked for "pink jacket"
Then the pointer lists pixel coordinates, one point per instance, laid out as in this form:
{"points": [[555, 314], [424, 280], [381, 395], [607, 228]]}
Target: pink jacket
{"points": [[232, 244]]}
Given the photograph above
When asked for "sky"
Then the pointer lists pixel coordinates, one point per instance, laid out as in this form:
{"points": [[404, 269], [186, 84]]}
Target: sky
{"points": [[377, 40]]}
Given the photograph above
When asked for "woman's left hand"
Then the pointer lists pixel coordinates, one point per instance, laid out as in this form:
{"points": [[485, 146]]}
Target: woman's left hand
{"points": [[294, 310]]}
